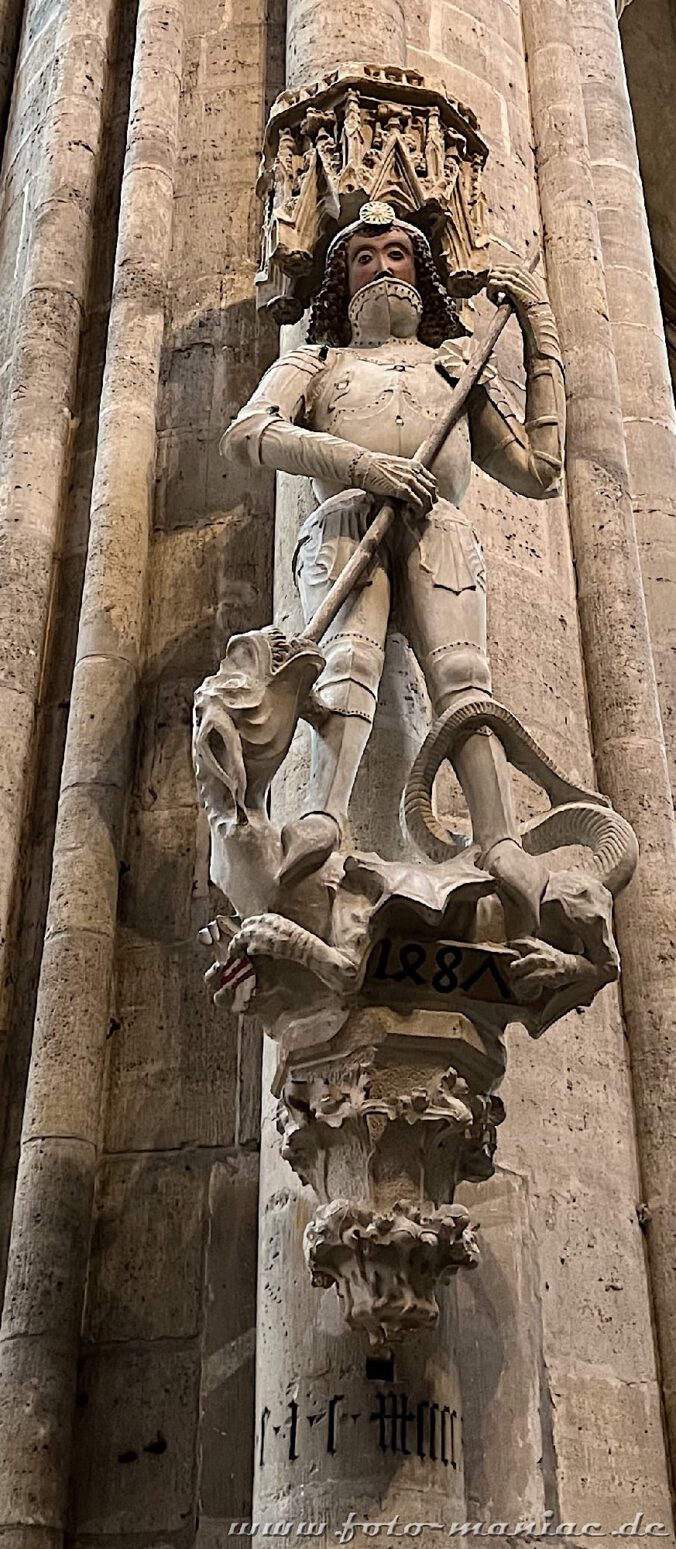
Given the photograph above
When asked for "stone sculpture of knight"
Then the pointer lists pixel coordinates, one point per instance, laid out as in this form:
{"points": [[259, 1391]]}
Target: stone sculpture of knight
{"points": [[387, 1074], [349, 410]]}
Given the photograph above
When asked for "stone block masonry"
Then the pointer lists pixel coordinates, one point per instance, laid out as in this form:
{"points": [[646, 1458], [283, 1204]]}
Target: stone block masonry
{"points": [[128, 1413]]}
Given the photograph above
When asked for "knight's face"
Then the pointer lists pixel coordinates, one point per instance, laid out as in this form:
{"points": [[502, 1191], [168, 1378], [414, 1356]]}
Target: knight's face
{"points": [[368, 258]]}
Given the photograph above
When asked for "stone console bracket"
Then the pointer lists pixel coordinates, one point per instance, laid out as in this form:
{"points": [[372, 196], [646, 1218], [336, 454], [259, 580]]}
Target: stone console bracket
{"points": [[384, 1132]]}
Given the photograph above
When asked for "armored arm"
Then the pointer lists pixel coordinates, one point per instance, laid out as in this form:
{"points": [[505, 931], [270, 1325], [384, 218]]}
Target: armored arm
{"points": [[526, 456], [269, 432]]}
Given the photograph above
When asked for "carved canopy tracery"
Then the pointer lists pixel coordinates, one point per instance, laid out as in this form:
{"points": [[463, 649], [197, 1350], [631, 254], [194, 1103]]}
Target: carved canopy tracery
{"points": [[365, 133]]}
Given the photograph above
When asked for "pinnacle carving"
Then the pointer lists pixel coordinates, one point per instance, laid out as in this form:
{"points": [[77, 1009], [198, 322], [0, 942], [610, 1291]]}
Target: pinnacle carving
{"points": [[365, 133]]}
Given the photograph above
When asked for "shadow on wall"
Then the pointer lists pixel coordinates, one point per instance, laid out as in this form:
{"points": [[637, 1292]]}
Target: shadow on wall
{"points": [[648, 34]]}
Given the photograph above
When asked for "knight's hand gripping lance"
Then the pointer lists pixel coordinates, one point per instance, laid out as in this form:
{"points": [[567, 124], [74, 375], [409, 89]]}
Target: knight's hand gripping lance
{"points": [[426, 453]]}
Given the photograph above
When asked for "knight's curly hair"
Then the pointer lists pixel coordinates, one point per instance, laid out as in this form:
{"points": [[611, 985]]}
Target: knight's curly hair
{"points": [[329, 322]]}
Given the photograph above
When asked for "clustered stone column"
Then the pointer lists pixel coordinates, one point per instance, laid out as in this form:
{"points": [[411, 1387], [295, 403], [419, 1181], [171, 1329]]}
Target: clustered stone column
{"points": [[52, 1217], [341, 1426], [39, 402], [646, 390], [629, 744]]}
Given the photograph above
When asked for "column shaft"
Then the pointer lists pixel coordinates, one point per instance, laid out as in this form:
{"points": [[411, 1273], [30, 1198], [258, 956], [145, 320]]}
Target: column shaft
{"points": [[346, 1426], [39, 395], [320, 37], [51, 1227], [646, 390], [628, 741]]}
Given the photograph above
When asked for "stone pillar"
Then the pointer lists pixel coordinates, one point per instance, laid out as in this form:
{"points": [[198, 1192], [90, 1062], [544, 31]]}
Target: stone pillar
{"points": [[52, 1216], [646, 390], [340, 1428], [556, 1219], [39, 391], [320, 37], [629, 745]]}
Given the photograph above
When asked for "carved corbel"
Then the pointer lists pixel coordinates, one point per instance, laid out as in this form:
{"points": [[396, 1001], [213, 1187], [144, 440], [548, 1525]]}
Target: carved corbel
{"points": [[384, 1138]]}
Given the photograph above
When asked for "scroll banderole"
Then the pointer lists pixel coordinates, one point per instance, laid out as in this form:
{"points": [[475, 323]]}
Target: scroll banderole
{"points": [[352, 572]]}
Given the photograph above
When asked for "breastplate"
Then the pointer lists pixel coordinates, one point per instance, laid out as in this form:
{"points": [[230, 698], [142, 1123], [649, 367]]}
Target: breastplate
{"points": [[388, 399]]}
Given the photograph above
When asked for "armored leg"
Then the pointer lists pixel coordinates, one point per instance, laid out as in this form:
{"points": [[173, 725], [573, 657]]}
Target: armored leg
{"points": [[354, 648], [348, 689], [455, 673], [447, 629], [483, 771]]}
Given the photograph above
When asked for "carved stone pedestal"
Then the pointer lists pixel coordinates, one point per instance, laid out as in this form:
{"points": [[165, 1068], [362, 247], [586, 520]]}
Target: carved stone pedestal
{"points": [[383, 1130]]}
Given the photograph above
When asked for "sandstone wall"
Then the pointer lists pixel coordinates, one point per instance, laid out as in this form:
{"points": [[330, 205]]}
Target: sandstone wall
{"points": [[648, 35]]}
